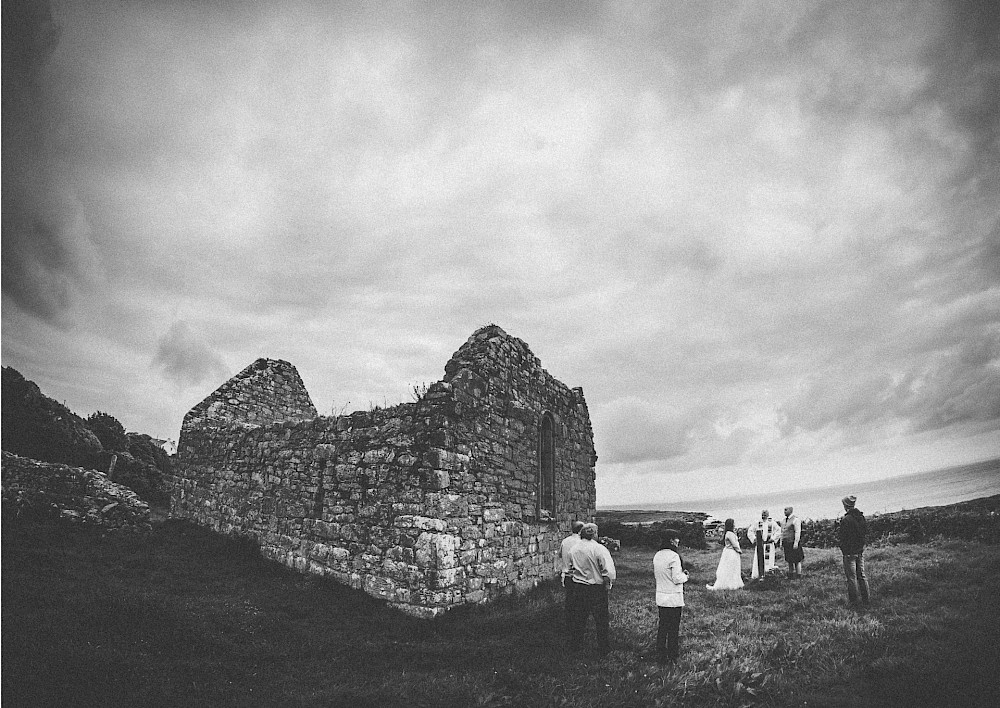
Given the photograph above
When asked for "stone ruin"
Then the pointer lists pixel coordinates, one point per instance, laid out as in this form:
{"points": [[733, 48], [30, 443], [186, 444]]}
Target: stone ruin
{"points": [[33, 489], [460, 497]]}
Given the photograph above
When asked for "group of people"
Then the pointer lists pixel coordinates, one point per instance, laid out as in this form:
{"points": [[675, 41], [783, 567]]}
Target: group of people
{"points": [[588, 571], [764, 535]]}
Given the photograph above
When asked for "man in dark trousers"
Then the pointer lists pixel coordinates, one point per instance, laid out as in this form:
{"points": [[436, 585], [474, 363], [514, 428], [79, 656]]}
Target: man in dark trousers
{"points": [[668, 569], [791, 543], [852, 532], [566, 566], [592, 574]]}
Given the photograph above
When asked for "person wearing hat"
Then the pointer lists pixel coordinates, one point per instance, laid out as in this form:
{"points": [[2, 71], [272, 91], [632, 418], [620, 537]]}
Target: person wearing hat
{"points": [[851, 532], [668, 569], [592, 573]]}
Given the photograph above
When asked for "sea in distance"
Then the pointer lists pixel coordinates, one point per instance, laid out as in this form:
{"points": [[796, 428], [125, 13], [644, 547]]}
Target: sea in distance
{"points": [[936, 488]]}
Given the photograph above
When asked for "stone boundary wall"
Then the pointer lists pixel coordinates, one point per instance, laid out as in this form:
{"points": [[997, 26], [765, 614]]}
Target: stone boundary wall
{"points": [[49, 490], [427, 505]]}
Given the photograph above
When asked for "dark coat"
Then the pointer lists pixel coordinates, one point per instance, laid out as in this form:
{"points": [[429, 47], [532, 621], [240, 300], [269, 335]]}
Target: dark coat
{"points": [[852, 530]]}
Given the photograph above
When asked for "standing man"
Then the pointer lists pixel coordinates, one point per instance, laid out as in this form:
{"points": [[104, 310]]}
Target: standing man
{"points": [[791, 538], [668, 570], [852, 532], [763, 535], [566, 569], [592, 574]]}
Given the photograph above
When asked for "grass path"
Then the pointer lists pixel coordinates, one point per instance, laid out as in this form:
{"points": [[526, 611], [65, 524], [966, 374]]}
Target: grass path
{"points": [[185, 618]]}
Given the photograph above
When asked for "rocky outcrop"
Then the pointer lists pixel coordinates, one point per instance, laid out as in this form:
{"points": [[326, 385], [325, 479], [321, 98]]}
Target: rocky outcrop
{"points": [[47, 490], [40, 428]]}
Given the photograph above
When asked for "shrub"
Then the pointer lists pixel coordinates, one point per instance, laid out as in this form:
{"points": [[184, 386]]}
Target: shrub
{"points": [[146, 480], [108, 430], [40, 428], [142, 448], [976, 520], [692, 533]]}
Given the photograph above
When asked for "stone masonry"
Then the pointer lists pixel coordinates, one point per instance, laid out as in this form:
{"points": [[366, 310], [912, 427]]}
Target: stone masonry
{"points": [[33, 489], [460, 497]]}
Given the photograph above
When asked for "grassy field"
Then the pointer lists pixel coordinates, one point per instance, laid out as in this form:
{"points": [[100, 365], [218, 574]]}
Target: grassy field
{"points": [[185, 618]]}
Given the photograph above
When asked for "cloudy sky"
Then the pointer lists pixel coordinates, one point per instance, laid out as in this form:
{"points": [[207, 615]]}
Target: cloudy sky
{"points": [[764, 237]]}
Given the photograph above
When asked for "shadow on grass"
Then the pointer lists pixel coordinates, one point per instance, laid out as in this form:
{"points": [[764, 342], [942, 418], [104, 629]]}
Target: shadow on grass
{"points": [[186, 612]]}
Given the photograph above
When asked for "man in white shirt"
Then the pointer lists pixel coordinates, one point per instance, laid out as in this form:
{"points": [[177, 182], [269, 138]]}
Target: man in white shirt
{"points": [[668, 570], [566, 567], [592, 573], [791, 543]]}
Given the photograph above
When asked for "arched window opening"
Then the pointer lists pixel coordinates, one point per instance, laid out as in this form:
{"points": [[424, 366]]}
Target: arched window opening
{"points": [[546, 469]]}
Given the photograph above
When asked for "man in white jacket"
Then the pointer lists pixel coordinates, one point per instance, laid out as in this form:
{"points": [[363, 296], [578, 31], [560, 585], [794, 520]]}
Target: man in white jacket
{"points": [[670, 578]]}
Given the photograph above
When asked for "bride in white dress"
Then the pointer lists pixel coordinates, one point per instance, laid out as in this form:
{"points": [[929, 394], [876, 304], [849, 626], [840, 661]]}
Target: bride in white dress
{"points": [[728, 575]]}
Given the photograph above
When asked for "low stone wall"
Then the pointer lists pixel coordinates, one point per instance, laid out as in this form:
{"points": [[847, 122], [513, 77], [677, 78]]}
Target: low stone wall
{"points": [[46, 490]]}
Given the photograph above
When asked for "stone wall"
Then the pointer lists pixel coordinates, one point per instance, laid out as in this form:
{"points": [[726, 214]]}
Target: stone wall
{"points": [[50, 490], [268, 390], [428, 505]]}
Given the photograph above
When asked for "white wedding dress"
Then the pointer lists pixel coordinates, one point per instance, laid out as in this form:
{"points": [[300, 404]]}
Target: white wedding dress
{"points": [[728, 575]]}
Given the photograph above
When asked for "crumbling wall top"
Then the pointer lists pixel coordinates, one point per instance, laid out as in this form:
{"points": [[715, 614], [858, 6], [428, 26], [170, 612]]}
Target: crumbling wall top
{"points": [[494, 363], [267, 391]]}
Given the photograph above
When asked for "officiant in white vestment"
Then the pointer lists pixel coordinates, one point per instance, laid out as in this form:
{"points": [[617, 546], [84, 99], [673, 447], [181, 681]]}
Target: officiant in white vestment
{"points": [[763, 536]]}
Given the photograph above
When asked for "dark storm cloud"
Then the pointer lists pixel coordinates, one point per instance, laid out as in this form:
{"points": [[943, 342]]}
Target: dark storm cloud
{"points": [[959, 386], [185, 358], [48, 256], [968, 73], [956, 384]]}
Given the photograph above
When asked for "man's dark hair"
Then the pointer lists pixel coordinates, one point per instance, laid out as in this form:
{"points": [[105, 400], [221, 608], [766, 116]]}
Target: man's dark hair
{"points": [[667, 536]]}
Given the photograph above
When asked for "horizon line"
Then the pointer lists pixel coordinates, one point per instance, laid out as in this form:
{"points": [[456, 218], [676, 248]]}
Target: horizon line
{"points": [[623, 507]]}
